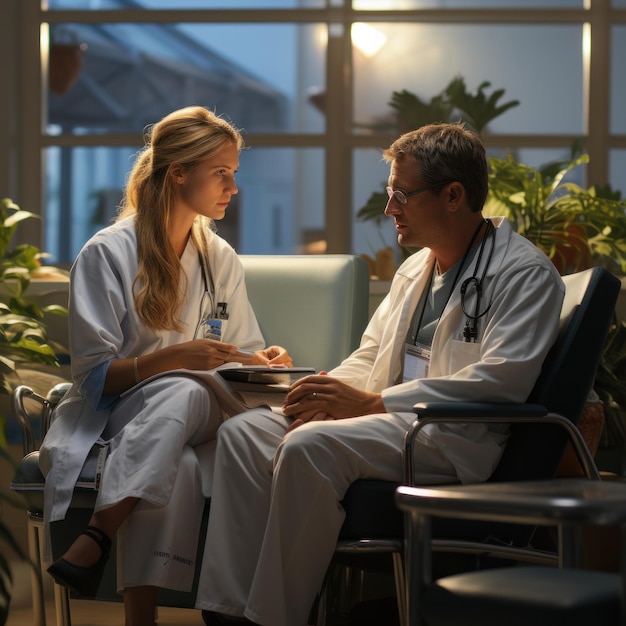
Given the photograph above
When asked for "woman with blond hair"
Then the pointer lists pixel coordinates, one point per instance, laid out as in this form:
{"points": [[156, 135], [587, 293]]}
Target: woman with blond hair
{"points": [[156, 292]]}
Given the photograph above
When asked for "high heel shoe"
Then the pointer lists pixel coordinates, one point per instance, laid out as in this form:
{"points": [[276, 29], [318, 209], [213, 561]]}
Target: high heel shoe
{"points": [[83, 580]]}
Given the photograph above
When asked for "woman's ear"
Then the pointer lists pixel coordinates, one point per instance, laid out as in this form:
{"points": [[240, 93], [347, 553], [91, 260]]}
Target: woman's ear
{"points": [[177, 173]]}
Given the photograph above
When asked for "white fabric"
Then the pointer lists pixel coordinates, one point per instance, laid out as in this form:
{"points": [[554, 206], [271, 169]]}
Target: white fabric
{"points": [[171, 411], [157, 545], [275, 510]]}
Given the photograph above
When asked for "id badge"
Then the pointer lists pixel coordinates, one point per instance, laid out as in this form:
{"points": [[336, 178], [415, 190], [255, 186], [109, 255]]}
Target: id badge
{"points": [[416, 362], [210, 328]]}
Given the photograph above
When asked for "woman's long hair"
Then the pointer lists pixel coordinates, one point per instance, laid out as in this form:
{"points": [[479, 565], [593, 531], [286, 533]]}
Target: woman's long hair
{"points": [[182, 138]]}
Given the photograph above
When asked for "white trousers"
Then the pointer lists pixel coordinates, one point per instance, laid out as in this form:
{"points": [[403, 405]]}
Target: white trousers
{"points": [[155, 433], [275, 509]]}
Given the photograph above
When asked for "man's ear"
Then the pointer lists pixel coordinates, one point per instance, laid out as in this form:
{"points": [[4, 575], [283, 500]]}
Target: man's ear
{"points": [[455, 195]]}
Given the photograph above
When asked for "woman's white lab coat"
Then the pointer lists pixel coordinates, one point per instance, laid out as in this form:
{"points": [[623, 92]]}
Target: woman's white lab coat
{"points": [[104, 325]]}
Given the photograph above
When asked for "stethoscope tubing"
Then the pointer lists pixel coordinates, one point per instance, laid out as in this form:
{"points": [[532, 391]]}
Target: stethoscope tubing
{"points": [[471, 325]]}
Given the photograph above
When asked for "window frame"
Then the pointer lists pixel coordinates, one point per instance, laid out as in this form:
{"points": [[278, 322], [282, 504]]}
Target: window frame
{"points": [[26, 25]]}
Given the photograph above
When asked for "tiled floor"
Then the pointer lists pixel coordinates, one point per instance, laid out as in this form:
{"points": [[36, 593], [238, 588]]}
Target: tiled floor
{"points": [[83, 612], [92, 613]]}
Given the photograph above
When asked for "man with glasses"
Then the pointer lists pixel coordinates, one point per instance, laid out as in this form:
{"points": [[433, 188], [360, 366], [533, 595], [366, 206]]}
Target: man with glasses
{"points": [[471, 316]]}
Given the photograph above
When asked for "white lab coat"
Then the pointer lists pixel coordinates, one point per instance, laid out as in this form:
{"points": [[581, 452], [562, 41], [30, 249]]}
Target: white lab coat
{"points": [[103, 326], [525, 293], [276, 514]]}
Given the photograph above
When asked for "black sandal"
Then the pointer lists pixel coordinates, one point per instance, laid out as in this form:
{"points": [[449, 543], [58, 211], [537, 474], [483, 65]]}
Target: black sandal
{"points": [[83, 580]]}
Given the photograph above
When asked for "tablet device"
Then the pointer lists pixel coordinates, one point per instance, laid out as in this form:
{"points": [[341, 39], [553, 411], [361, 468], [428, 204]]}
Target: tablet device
{"points": [[266, 375]]}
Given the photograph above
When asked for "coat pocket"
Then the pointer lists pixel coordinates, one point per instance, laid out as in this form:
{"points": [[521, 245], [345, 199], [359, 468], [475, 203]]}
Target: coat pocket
{"points": [[462, 354]]}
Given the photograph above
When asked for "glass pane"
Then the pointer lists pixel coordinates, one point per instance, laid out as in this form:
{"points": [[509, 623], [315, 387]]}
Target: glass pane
{"points": [[279, 207], [282, 201], [618, 79], [371, 235], [95, 5], [372, 5], [617, 171], [233, 4], [83, 190], [120, 77], [523, 60]]}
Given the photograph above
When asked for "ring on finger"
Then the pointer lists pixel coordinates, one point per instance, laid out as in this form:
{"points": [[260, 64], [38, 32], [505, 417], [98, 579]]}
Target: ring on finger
{"points": [[314, 394]]}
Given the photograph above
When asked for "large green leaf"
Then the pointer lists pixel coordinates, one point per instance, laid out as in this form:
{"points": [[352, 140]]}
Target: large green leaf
{"points": [[477, 109], [23, 337], [374, 209], [413, 112], [560, 217]]}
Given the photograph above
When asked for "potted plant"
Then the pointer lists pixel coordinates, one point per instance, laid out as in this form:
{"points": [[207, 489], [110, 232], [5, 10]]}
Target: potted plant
{"points": [[574, 226], [577, 228], [23, 337], [453, 103], [23, 340]]}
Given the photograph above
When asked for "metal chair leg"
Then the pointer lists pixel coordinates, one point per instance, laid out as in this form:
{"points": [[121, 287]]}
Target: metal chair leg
{"points": [[34, 526], [62, 605], [61, 594], [400, 582]]}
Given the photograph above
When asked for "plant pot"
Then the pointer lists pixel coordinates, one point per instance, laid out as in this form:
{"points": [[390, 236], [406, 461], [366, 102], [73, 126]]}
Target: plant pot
{"points": [[66, 61], [590, 426]]}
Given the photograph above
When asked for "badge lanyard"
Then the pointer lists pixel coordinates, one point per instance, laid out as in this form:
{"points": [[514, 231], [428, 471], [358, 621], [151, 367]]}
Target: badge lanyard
{"points": [[210, 323], [416, 355]]}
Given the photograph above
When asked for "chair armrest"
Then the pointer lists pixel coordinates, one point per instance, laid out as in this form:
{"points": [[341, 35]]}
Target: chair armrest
{"points": [[24, 417], [492, 413], [478, 409]]}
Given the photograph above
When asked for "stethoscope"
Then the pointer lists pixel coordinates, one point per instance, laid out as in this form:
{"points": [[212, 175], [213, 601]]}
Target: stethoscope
{"points": [[470, 332]]}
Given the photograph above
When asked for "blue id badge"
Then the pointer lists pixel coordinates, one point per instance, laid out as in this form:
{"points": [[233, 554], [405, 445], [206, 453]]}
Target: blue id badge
{"points": [[416, 362], [210, 328]]}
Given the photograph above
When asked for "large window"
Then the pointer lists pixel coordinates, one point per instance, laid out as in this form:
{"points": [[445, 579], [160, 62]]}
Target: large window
{"points": [[309, 82]]}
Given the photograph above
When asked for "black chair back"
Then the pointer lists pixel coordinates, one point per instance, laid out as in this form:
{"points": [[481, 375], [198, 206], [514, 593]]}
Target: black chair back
{"points": [[566, 378], [534, 450]]}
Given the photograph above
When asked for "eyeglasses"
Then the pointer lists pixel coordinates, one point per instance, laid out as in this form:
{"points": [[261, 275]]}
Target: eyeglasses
{"points": [[401, 196]]}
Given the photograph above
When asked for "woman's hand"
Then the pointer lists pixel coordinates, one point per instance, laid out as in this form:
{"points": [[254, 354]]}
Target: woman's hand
{"points": [[277, 356], [205, 354], [199, 354], [321, 397], [274, 356]]}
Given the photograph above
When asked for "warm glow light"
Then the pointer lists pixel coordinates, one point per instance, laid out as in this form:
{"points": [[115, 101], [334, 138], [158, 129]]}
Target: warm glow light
{"points": [[44, 51], [586, 72], [367, 39]]}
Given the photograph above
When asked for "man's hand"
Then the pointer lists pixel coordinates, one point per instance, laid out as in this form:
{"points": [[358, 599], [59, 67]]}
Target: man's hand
{"points": [[321, 397]]}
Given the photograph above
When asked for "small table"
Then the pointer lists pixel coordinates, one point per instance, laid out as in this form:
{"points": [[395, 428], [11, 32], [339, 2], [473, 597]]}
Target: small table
{"points": [[566, 503]]}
